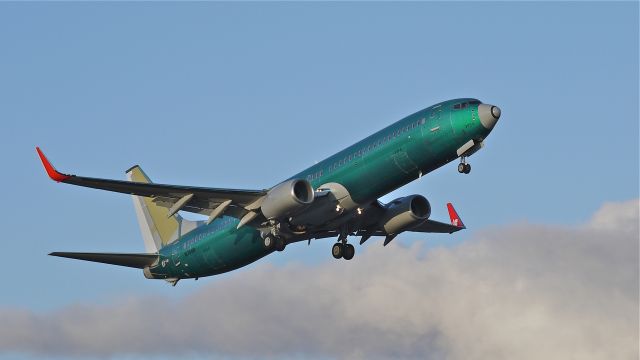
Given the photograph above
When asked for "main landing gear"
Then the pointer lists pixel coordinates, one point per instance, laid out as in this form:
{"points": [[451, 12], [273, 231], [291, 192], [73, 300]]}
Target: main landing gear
{"points": [[345, 251], [341, 249], [274, 242], [463, 167]]}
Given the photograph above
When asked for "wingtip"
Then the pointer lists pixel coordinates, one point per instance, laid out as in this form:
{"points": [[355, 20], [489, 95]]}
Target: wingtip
{"points": [[51, 171], [455, 218]]}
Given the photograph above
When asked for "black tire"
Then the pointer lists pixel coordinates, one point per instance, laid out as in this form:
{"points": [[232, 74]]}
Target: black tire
{"points": [[467, 168], [337, 250], [461, 168], [269, 242], [280, 244], [349, 251]]}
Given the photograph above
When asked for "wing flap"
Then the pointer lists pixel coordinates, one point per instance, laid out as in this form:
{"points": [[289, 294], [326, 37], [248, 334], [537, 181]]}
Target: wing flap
{"points": [[129, 260]]}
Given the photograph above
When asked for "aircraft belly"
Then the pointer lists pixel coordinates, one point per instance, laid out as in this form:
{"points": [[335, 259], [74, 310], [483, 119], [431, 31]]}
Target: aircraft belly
{"points": [[223, 251], [233, 250]]}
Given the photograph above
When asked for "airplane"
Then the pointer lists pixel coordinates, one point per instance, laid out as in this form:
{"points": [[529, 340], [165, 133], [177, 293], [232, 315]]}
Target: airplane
{"points": [[335, 198]]}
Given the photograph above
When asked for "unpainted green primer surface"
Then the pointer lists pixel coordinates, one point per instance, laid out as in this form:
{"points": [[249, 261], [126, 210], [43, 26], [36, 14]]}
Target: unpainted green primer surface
{"points": [[369, 169]]}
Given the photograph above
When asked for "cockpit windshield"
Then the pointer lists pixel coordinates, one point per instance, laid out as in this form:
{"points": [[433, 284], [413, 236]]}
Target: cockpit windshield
{"points": [[463, 105]]}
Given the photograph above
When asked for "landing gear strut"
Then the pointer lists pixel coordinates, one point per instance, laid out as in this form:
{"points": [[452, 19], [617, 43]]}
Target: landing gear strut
{"points": [[463, 167]]}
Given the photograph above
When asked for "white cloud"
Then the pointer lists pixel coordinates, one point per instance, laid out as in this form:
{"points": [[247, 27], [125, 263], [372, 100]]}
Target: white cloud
{"points": [[520, 292], [621, 216]]}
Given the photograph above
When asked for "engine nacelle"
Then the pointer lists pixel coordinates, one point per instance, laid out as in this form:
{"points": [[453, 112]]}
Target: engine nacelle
{"points": [[287, 198], [404, 213]]}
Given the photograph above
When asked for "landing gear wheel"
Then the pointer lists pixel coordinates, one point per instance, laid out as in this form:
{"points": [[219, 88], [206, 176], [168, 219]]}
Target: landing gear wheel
{"points": [[348, 252], [461, 168], [467, 168], [269, 242], [280, 244], [337, 250]]}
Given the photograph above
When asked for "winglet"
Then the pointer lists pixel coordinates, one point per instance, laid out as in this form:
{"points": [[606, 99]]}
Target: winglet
{"points": [[51, 171], [455, 218]]}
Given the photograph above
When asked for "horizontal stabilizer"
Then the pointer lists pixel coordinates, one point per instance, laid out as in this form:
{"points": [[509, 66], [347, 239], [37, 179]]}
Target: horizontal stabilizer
{"points": [[130, 260]]}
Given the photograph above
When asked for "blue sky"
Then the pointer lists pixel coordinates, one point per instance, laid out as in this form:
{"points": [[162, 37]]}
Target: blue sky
{"points": [[244, 95]]}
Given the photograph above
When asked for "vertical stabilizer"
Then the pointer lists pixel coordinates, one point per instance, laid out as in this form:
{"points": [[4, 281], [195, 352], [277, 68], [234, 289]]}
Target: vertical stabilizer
{"points": [[157, 227]]}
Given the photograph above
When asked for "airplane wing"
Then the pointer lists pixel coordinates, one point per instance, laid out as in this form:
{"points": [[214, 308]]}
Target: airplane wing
{"points": [[375, 212], [201, 200], [432, 226]]}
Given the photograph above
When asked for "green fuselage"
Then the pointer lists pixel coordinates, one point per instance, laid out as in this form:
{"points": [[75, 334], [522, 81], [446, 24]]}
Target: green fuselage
{"points": [[369, 169]]}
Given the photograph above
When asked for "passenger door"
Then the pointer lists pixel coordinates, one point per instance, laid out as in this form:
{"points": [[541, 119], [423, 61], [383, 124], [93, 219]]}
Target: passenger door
{"points": [[403, 162], [436, 129]]}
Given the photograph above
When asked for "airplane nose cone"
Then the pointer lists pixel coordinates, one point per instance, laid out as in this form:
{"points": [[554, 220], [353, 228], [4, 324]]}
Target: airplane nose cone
{"points": [[495, 112], [489, 115]]}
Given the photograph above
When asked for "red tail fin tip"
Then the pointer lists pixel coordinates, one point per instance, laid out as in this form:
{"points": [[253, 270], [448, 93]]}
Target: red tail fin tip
{"points": [[51, 171], [453, 215]]}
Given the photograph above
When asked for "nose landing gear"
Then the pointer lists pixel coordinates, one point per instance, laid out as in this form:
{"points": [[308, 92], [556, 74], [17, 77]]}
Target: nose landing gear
{"points": [[464, 167]]}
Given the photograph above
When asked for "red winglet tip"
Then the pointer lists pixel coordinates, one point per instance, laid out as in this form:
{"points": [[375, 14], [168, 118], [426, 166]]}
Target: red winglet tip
{"points": [[455, 218], [51, 171]]}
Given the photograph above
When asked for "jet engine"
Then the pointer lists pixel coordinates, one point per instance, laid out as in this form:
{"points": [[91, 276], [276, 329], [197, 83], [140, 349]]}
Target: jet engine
{"points": [[287, 198], [404, 213]]}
